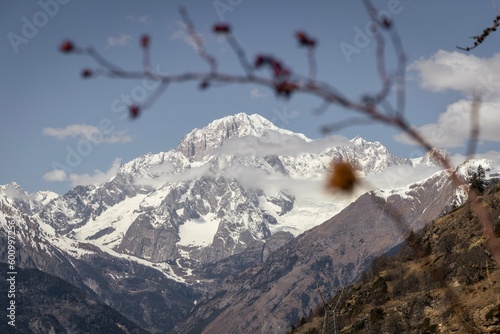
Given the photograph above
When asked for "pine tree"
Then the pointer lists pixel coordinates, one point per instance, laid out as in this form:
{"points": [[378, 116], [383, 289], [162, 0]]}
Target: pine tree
{"points": [[477, 180]]}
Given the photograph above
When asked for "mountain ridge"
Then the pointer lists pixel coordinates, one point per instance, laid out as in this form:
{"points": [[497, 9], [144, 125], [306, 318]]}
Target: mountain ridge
{"points": [[154, 200]]}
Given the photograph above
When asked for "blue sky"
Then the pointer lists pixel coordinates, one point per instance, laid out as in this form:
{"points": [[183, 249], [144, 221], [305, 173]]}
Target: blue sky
{"points": [[47, 108]]}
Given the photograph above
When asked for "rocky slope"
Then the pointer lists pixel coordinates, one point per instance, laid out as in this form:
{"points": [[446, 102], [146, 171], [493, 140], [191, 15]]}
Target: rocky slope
{"points": [[443, 280], [276, 294], [48, 304]]}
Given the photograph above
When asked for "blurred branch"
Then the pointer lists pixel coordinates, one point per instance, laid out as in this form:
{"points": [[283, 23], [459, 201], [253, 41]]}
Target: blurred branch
{"points": [[197, 40], [325, 129], [474, 126], [240, 53]]}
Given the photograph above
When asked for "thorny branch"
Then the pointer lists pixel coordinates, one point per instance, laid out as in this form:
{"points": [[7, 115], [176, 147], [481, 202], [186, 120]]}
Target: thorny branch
{"points": [[479, 39], [285, 83]]}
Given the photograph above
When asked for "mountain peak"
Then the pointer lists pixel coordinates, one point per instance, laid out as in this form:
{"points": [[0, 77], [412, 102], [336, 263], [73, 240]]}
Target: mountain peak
{"points": [[434, 156], [196, 143], [13, 190], [357, 140]]}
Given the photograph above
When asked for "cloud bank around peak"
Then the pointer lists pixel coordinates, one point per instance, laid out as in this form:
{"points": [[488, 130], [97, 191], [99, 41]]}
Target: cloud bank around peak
{"points": [[277, 143]]}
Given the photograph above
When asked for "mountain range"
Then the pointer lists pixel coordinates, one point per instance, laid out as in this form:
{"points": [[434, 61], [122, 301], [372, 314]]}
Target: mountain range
{"points": [[230, 227]]}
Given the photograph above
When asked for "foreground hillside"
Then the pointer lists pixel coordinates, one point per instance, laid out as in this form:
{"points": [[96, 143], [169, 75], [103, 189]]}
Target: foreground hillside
{"points": [[442, 281]]}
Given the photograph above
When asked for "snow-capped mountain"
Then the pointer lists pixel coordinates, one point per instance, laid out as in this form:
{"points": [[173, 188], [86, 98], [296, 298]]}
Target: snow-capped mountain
{"points": [[197, 144], [136, 288], [237, 180], [370, 157], [432, 158], [30, 203]]}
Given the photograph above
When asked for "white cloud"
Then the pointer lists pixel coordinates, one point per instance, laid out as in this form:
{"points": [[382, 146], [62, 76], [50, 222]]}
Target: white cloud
{"points": [[465, 73], [56, 175], [98, 177], [121, 41], [471, 76], [88, 132], [164, 168], [193, 173], [251, 177], [452, 128], [255, 93], [397, 176], [139, 18], [276, 143], [179, 32]]}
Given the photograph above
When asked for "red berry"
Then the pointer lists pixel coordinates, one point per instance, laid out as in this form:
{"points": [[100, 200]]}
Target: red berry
{"points": [[278, 69], [86, 73], [204, 85], [305, 40], [134, 111], [145, 41], [301, 36], [285, 88], [386, 22], [221, 28], [260, 60], [66, 47]]}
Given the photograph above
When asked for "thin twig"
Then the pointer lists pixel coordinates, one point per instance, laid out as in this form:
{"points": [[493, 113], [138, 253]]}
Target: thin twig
{"points": [[240, 53], [155, 95], [325, 129], [474, 126], [146, 60], [197, 40], [111, 67], [311, 60], [400, 71]]}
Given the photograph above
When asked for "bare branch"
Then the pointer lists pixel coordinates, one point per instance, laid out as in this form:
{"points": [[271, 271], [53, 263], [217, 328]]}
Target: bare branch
{"points": [[241, 54], [285, 83], [325, 129]]}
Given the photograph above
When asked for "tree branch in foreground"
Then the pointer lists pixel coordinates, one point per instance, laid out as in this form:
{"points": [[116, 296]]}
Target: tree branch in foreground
{"points": [[285, 83]]}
